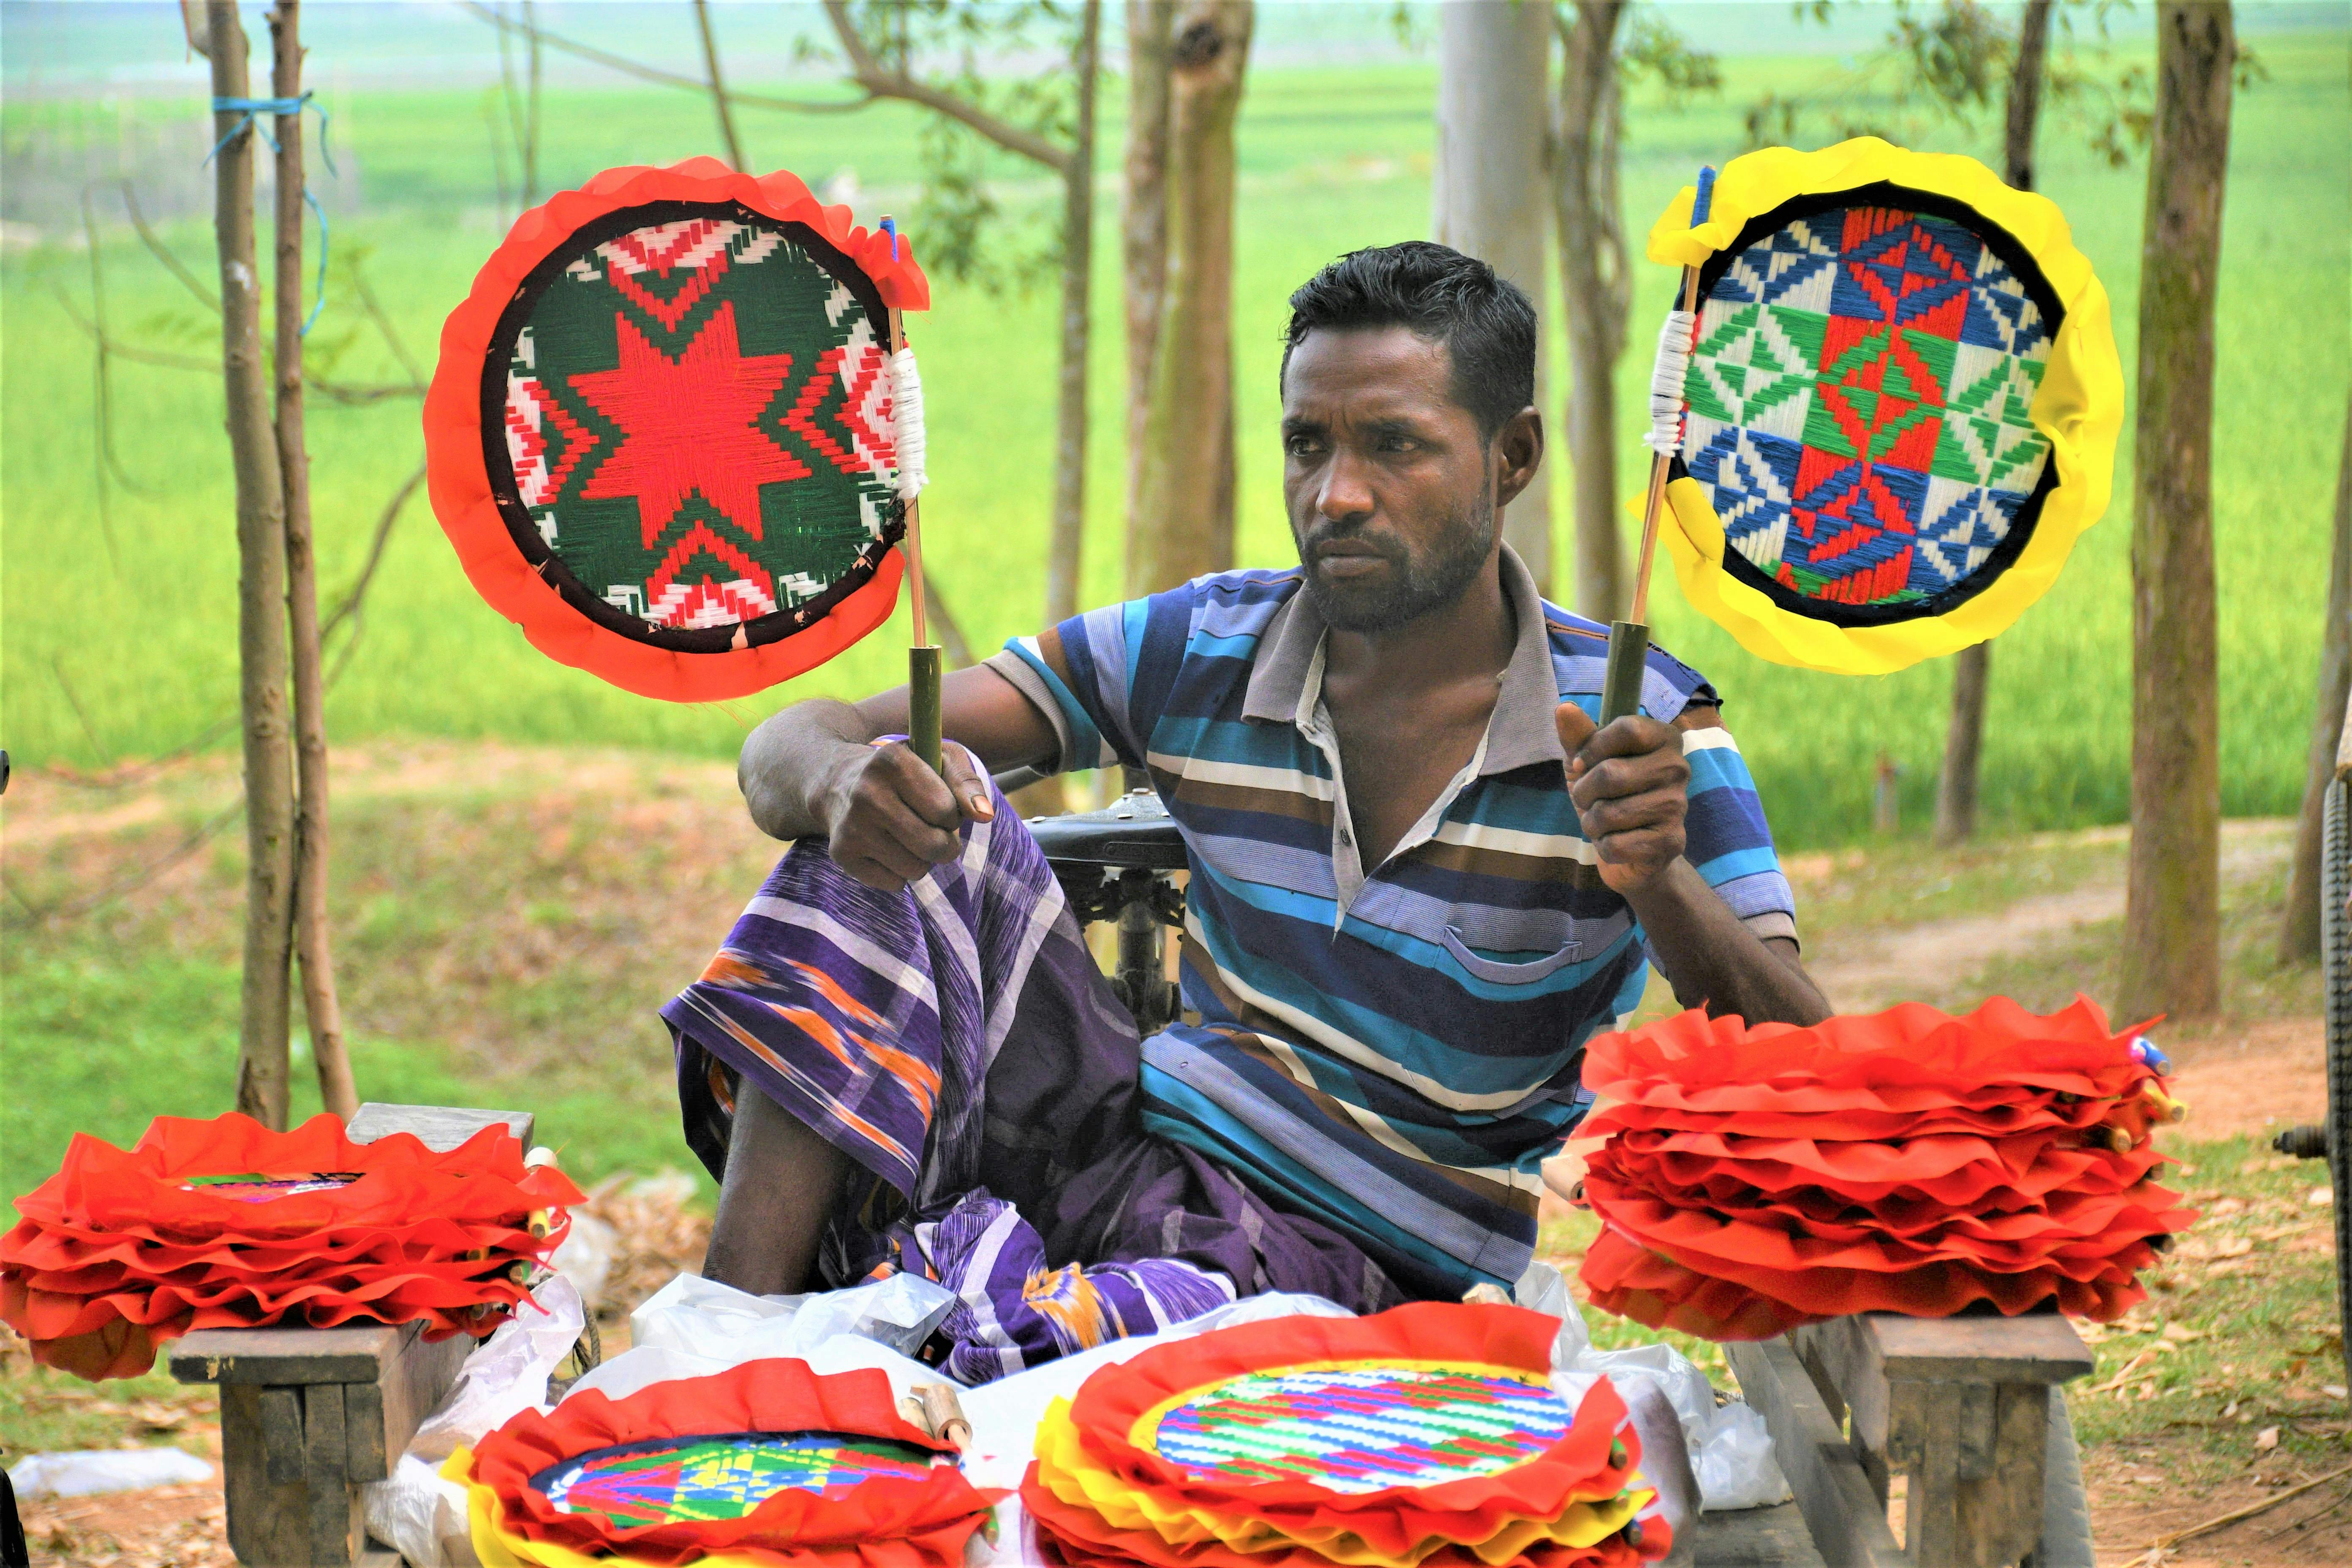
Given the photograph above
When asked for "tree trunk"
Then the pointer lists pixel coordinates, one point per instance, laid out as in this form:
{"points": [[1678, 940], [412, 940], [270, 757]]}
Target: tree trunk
{"points": [[1177, 531], [717, 90], [312, 943], [1956, 790], [1492, 57], [1066, 554], [2172, 961], [2299, 929], [1143, 222], [261, 1085], [1955, 787], [1595, 290], [2026, 79]]}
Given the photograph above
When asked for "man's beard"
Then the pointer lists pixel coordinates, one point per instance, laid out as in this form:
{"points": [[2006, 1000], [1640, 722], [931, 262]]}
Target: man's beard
{"points": [[1413, 588]]}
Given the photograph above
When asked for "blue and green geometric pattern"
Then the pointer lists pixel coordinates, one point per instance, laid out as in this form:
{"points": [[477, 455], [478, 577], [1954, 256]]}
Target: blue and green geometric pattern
{"points": [[1860, 397], [1362, 1426], [724, 1475]]}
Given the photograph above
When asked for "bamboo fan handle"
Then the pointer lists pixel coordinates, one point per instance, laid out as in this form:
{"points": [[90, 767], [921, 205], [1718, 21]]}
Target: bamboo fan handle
{"points": [[923, 716], [1628, 639]]}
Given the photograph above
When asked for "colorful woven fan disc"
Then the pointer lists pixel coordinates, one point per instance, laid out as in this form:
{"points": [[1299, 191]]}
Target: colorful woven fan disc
{"points": [[1860, 403], [722, 1476], [1362, 1427], [766, 1463], [662, 431], [253, 1187], [1907, 1162], [1424, 1435], [1899, 409]]}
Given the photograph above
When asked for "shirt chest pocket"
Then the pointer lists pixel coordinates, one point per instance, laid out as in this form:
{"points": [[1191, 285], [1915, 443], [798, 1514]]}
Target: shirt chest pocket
{"points": [[1548, 935]]}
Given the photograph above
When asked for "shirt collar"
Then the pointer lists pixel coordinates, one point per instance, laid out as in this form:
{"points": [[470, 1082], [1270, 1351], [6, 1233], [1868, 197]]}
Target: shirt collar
{"points": [[1521, 732]]}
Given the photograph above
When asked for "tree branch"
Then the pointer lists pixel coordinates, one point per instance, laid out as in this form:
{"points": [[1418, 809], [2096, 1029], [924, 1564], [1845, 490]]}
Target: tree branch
{"points": [[171, 263], [654, 74], [880, 82]]}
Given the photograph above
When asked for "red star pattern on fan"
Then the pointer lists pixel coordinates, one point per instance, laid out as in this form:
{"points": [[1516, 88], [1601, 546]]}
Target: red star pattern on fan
{"points": [[687, 426]]}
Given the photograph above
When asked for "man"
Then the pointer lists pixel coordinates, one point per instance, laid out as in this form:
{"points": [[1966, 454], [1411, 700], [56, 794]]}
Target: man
{"points": [[1419, 879]]}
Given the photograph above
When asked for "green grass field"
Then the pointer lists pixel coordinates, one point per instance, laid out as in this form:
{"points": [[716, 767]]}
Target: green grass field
{"points": [[128, 648]]}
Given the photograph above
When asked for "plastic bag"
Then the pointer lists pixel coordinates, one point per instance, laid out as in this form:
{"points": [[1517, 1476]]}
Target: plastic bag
{"points": [[704, 1317], [1730, 1451], [586, 1256], [414, 1510], [505, 1373], [104, 1470]]}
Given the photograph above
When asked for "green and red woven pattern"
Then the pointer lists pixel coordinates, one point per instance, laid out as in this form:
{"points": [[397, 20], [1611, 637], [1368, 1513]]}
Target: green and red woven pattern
{"points": [[695, 417], [1859, 403]]}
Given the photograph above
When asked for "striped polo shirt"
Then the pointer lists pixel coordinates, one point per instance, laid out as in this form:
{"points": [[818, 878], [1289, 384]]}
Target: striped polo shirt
{"points": [[1390, 1049]]}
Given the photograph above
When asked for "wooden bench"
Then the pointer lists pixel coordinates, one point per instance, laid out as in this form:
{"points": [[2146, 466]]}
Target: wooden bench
{"points": [[1965, 1408], [308, 1416]]}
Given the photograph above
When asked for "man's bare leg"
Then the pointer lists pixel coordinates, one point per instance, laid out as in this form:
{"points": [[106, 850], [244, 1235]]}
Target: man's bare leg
{"points": [[782, 1179]]}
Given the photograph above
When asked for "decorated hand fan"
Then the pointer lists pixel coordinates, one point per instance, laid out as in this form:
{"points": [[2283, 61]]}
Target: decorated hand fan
{"points": [[224, 1224], [767, 1463], [1423, 1437], [1884, 411], [1753, 1178], [677, 435]]}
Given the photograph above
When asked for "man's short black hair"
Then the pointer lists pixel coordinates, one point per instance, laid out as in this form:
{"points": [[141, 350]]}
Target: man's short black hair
{"points": [[1486, 324]]}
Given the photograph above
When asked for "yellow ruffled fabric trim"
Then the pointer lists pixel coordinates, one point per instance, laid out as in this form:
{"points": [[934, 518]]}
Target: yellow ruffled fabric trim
{"points": [[500, 1549], [1071, 1474], [2080, 407]]}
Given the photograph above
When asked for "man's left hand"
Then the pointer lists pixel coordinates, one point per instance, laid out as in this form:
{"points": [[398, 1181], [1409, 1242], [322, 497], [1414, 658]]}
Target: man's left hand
{"points": [[1631, 787]]}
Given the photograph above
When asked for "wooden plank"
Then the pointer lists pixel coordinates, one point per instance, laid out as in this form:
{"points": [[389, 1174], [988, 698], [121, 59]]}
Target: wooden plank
{"points": [[382, 1416], [1929, 1451], [440, 1127], [1757, 1538], [1847, 1359], [268, 1521], [333, 1511], [2000, 1516], [2040, 1347], [358, 1353], [2065, 1515], [1977, 1447], [1832, 1492], [284, 1457]]}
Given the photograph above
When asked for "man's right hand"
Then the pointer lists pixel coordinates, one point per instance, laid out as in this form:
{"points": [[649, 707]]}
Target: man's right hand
{"points": [[892, 819]]}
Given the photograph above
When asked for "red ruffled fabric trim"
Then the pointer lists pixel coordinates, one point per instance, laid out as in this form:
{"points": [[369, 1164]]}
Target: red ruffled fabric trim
{"points": [[1576, 1467], [937, 1514], [459, 484], [1751, 1180], [114, 1256]]}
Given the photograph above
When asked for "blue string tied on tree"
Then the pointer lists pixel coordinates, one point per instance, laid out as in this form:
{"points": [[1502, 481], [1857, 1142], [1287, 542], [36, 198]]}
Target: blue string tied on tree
{"points": [[251, 109]]}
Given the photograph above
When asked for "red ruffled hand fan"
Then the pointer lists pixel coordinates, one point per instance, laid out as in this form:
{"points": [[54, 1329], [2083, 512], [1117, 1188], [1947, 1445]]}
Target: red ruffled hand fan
{"points": [[1425, 1436], [224, 1224], [765, 1463], [675, 432], [1755, 1179]]}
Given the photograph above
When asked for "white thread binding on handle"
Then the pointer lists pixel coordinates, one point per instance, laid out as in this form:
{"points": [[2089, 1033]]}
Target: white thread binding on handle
{"points": [[907, 423], [1665, 433]]}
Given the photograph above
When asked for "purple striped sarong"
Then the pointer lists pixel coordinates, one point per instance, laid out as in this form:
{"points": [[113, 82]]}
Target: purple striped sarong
{"points": [[957, 1042]]}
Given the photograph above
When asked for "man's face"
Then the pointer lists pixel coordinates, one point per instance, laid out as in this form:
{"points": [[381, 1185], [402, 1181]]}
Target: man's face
{"points": [[1389, 486]]}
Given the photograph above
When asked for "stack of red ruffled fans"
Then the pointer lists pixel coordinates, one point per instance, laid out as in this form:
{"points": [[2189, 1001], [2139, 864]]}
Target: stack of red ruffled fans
{"points": [[1423, 1437], [1755, 1179], [766, 1463], [226, 1224]]}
